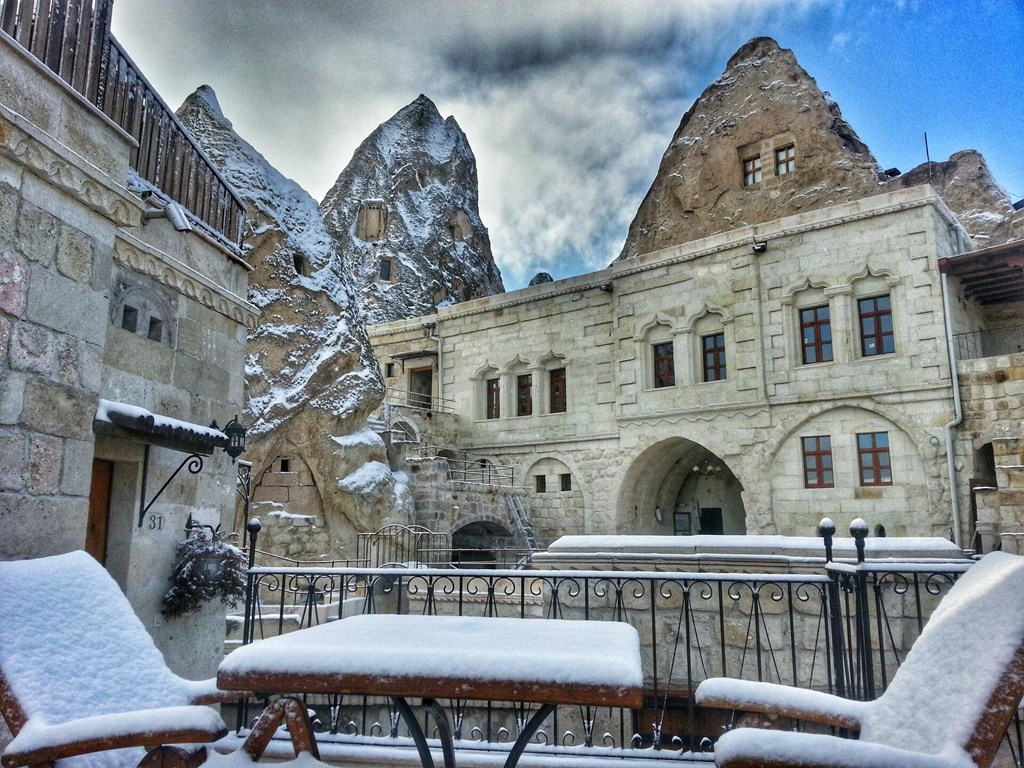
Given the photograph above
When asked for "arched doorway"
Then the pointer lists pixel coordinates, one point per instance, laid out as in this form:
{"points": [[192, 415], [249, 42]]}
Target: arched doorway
{"points": [[481, 543], [678, 487]]}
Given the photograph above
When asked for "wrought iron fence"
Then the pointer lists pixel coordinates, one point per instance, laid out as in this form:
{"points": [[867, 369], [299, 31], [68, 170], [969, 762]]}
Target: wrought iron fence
{"points": [[843, 630]]}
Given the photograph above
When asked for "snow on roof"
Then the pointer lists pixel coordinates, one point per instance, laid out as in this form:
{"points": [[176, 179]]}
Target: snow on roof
{"points": [[137, 419], [875, 546]]}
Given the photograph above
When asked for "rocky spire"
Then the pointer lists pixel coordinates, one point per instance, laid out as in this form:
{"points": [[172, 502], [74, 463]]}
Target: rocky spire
{"points": [[311, 376], [968, 188], [404, 214], [763, 103]]}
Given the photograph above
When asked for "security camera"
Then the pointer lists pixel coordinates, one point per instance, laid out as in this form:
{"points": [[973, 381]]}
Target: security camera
{"points": [[178, 217], [146, 194]]}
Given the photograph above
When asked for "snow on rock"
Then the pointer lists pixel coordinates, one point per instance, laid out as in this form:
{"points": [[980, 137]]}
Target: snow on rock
{"points": [[409, 198], [967, 186], [311, 339], [310, 372], [369, 479]]}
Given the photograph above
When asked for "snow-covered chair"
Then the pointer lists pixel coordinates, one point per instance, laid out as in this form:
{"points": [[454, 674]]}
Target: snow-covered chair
{"points": [[947, 706], [81, 680]]}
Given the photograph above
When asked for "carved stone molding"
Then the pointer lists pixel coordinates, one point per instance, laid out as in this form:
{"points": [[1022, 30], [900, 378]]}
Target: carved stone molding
{"points": [[42, 156], [184, 280]]}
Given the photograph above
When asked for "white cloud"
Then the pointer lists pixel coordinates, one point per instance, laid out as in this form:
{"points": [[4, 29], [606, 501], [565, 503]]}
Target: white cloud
{"points": [[568, 105]]}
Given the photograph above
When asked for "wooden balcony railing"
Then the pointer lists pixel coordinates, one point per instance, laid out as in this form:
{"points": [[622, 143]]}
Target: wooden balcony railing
{"points": [[72, 38]]}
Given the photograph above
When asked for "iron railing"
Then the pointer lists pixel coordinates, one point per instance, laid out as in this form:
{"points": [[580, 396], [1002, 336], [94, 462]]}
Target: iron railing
{"points": [[842, 630], [1006, 340], [72, 38]]}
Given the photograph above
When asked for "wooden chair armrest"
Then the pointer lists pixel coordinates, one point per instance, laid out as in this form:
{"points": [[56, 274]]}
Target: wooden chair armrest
{"points": [[38, 743], [782, 700], [755, 748], [207, 692], [220, 697]]}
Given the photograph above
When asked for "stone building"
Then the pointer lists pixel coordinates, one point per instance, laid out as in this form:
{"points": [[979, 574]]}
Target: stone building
{"points": [[122, 319], [789, 347]]}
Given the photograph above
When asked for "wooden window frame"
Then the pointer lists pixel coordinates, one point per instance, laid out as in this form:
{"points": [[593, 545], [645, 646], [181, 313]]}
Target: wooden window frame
{"points": [[752, 171], [557, 400], [785, 160], [817, 461], [492, 399], [524, 394], [874, 462], [817, 348], [870, 314], [713, 360], [664, 369]]}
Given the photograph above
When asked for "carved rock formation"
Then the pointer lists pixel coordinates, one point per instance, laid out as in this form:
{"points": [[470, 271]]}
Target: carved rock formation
{"points": [[763, 142], [762, 104], [311, 376], [405, 216], [967, 187]]}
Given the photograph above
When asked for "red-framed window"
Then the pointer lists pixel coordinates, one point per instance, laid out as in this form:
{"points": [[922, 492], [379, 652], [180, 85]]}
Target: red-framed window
{"points": [[664, 365], [817, 452], [493, 399], [876, 334], [556, 391], [873, 458], [713, 348], [816, 334], [524, 394]]}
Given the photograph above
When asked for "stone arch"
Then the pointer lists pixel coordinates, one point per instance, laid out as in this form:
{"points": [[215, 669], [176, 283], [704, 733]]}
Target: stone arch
{"points": [[885, 275], [560, 508], [708, 309], [677, 481], [644, 326], [917, 473], [806, 284], [477, 540]]}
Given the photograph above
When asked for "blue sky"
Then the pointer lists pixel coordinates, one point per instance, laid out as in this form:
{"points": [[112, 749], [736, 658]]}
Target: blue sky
{"points": [[570, 104]]}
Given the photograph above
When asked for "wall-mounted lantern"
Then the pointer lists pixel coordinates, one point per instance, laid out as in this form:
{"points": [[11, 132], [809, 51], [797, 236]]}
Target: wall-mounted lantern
{"points": [[236, 438]]}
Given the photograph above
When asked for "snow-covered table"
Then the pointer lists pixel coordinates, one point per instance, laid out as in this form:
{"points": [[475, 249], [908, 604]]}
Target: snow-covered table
{"points": [[542, 661]]}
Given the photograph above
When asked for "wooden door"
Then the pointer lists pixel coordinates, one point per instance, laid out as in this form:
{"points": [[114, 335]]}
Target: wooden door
{"points": [[99, 509]]}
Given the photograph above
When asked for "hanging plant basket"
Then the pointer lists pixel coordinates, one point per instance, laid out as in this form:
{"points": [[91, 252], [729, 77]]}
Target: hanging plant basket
{"points": [[205, 568]]}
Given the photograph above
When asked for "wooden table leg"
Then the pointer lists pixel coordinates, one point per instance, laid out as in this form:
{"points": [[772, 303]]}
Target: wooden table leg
{"points": [[293, 713]]}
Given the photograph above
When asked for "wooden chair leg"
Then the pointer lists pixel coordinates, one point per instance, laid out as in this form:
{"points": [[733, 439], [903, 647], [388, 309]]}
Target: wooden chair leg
{"points": [[293, 713], [173, 757]]}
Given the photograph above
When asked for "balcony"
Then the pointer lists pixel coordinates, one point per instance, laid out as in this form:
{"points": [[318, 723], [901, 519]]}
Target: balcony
{"points": [[72, 38]]}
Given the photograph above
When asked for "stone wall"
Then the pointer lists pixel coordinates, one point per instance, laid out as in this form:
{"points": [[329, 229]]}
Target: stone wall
{"points": [[990, 451], [96, 304], [631, 447]]}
